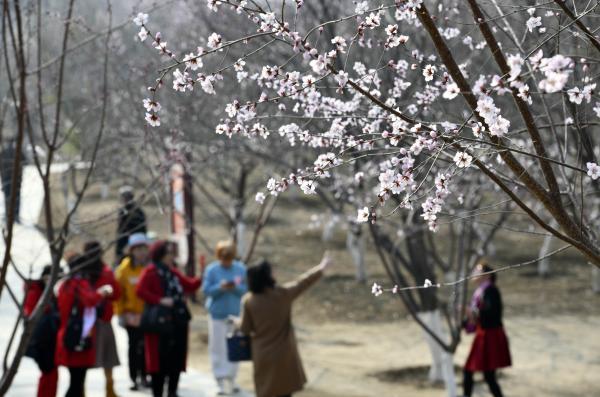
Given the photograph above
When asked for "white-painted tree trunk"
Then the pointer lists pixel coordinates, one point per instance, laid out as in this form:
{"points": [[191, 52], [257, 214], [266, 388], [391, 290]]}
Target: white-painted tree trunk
{"points": [[355, 243], [544, 264], [595, 279], [240, 232], [329, 228], [104, 190], [442, 365]]}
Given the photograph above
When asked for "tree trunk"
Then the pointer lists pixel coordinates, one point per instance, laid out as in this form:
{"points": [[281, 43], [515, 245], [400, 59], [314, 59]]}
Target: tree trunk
{"points": [[329, 228], [544, 264], [442, 364], [595, 280], [355, 243], [240, 232]]}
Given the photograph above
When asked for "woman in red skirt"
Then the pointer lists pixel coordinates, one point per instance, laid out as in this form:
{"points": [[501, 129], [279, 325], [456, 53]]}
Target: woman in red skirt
{"points": [[490, 346]]}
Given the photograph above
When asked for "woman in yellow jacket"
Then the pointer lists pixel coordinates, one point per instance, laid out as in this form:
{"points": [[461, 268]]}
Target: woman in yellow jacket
{"points": [[129, 307]]}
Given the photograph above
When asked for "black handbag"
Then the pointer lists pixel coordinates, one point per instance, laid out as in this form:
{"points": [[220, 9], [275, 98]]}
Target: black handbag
{"points": [[181, 313], [157, 319], [72, 337], [42, 345], [239, 347]]}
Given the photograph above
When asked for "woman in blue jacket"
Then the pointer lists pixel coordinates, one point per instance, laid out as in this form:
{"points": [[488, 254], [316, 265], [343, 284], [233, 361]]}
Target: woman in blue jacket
{"points": [[224, 285]]}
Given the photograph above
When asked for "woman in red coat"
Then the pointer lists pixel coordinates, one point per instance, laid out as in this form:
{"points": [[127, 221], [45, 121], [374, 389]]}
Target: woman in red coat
{"points": [[162, 283], [106, 346], [490, 346], [76, 292]]}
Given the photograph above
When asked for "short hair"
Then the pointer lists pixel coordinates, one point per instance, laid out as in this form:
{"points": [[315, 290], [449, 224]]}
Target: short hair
{"points": [[486, 268], [260, 277], [158, 250], [226, 250]]}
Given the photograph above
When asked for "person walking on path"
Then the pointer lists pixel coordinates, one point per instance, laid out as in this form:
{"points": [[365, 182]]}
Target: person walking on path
{"points": [[267, 318], [161, 283], [129, 306], [131, 220], [106, 346], [224, 286], [75, 341], [42, 346], [489, 351]]}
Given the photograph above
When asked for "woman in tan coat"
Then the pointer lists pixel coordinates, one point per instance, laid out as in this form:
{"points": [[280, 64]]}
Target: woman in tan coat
{"points": [[267, 318]]}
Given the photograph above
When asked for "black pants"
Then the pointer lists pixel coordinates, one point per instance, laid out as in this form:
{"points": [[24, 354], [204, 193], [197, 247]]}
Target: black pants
{"points": [[490, 379], [77, 382], [172, 352], [137, 362]]}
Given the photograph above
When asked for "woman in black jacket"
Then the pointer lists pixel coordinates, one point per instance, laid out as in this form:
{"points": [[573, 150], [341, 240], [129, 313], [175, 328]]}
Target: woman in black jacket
{"points": [[490, 346]]}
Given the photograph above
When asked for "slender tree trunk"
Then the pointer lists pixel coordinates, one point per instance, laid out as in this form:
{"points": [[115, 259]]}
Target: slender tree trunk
{"points": [[355, 243], [442, 363]]}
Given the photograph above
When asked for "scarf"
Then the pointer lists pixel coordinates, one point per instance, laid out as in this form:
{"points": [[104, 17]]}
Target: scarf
{"points": [[171, 283], [478, 296]]}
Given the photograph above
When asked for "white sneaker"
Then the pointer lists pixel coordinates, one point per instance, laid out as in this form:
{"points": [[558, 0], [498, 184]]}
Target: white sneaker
{"points": [[234, 388], [221, 387]]}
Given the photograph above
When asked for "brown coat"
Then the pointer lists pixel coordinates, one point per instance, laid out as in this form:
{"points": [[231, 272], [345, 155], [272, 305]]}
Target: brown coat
{"points": [[267, 317]]}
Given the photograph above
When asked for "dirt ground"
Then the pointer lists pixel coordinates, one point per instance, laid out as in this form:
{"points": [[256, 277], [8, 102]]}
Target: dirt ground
{"points": [[553, 356], [354, 344]]}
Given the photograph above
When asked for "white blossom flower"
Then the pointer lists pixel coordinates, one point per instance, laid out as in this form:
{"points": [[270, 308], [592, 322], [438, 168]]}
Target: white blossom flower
{"points": [[140, 19], [153, 119], [193, 61], [340, 43], [260, 197], [427, 283], [593, 170], [214, 40], [524, 94], [363, 215], [533, 23], [515, 62], [597, 109], [429, 72], [554, 82], [575, 95], [587, 92], [151, 106], [239, 65], [451, 92], [463, 159], [361, 7], [376, 289], [373, 20], [308, 186], [341, 78], [143, 34]]}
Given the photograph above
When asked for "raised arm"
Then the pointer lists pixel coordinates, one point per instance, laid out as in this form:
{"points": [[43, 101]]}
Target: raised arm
{"points": [[189, 284], [308, 279], [305, 281]]}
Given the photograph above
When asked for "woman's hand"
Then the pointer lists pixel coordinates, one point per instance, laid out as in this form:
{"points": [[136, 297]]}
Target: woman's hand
{"points": [[105, 290], [167, 301], [227, 285]]}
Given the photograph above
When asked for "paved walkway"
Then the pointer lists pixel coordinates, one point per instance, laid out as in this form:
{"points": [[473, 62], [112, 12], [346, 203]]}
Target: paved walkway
{"points": [[30, 252]]}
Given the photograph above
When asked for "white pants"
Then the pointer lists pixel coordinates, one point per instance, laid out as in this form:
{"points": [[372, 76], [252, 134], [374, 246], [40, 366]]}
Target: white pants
{"points": [[217, 346]]}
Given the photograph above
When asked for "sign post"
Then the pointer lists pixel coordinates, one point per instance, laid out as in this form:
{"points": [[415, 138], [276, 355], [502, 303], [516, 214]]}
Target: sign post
{"points": [[182, 216]]}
